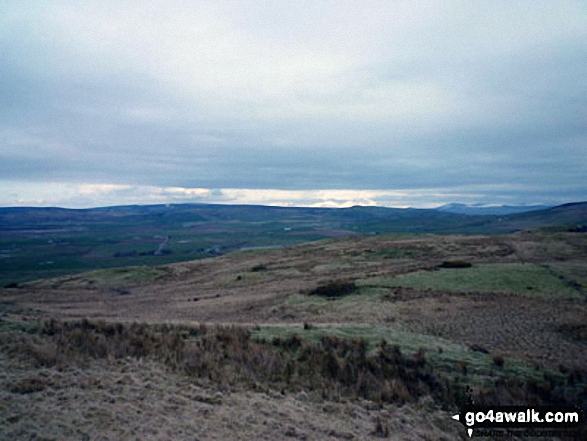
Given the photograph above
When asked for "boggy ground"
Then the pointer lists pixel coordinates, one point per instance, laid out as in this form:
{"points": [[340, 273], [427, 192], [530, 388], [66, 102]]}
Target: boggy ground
{"points": [[518, 311]]}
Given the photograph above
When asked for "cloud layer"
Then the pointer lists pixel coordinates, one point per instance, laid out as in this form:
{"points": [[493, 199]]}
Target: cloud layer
{"points": [[375, 99]]}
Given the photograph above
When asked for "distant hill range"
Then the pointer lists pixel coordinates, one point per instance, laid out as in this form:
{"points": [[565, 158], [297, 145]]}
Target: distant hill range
{"points": [[567, 217], [452, 218], [45, 242], [482, 209]]}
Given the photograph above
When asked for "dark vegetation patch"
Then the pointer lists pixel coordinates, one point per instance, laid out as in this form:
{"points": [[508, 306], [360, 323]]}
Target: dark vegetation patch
{"points": [[478, 348], [498, 360], [456, 263], [334, 289], [397, 253], [28, 386], [258, 268], [17, 325], [577, 229], [574, 331], [565, 227]]}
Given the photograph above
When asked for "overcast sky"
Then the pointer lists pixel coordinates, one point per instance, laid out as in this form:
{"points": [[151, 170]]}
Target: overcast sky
{"points": [[293, 102]]}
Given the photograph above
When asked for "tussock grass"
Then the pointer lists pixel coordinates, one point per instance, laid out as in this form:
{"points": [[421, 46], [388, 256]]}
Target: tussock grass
{"points": [[332, 367], [446, 358]]}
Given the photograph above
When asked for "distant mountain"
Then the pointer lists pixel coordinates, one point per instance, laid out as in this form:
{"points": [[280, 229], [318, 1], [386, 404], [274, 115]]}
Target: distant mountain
{"points": [[484, 209]]}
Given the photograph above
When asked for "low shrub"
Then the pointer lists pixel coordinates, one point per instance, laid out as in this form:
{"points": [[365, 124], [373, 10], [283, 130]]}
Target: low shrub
{"points": [[498, 361], [258, 268], [334, 289], [478, 348], [456, 263]]}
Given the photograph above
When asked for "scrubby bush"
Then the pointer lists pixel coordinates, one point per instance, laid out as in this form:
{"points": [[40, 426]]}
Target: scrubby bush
{"points": [[456, 263], [478, 348], [258, 268], [498, 360], [334, 289]]}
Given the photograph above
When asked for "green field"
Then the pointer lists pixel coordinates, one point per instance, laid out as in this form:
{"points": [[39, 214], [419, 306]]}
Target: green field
{"points": [[516, 278]]}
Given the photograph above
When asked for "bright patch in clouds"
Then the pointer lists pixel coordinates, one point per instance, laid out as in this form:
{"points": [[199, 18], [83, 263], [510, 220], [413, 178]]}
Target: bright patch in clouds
{"points": [[97, 195]]}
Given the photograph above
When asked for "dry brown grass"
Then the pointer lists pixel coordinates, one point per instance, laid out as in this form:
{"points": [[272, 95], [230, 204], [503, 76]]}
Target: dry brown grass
{"points": [[131, 399], [86, 378], [222, 367], [334, 368]]}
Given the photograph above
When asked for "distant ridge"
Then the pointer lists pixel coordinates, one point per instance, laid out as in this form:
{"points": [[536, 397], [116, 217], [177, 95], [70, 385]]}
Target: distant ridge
{"points": [[573, 215], [46, 242], [451, 218], [484, 209]]}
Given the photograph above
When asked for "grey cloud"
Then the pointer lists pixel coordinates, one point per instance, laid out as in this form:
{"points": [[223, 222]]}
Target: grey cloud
{"points": [[502, 97]]}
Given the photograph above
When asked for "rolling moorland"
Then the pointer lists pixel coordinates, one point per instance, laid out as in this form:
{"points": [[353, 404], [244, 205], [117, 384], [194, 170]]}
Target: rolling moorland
{"points": [[48, 242], [358, 336]]}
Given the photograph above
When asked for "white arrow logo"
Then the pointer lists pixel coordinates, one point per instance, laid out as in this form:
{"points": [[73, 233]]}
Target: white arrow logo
{"points": [[458, 418]]}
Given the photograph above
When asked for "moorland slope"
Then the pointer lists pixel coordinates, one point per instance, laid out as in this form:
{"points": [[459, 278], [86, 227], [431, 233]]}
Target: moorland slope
{"points": [[299, 342]]}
